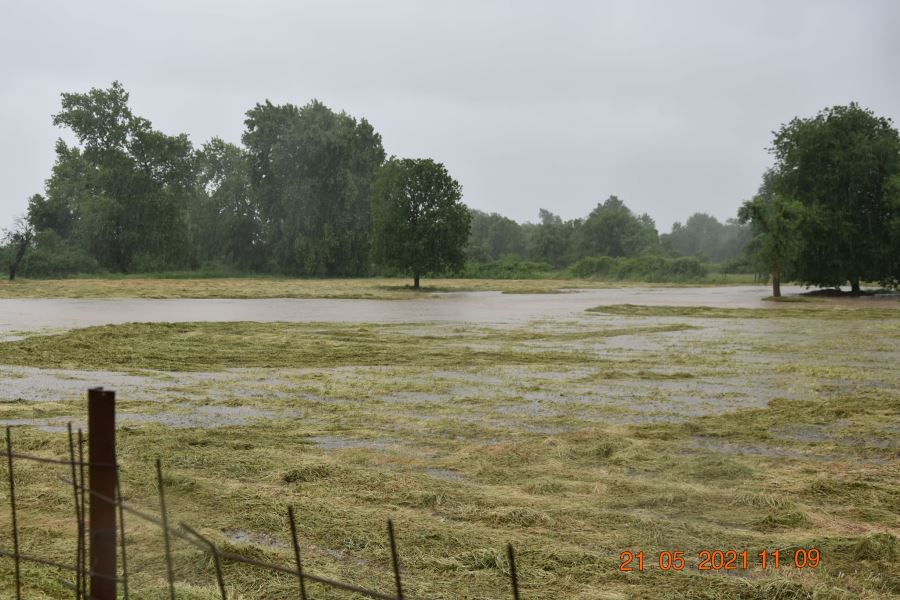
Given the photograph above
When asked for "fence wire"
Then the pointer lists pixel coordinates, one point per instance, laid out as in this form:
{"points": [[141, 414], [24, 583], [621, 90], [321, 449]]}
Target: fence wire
{"points": [[82, 495]]}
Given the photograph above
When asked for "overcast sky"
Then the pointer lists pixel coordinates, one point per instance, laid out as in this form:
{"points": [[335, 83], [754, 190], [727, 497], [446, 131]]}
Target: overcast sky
{"points": [[555, 104]]}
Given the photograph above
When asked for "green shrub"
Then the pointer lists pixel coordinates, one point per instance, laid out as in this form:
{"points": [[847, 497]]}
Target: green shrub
{"points": [[508, 267], [651, 268], [595, 266], [51, 256]]}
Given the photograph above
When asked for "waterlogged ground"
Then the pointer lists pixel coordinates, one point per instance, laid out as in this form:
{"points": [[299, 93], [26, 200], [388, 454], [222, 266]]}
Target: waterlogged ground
{"points": [[647, 424], [517, 303]]}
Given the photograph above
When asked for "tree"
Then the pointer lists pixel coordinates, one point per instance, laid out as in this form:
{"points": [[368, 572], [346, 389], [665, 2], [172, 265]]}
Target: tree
{"points": [[551, 240], [311, 176], [420, 223], [839, 166], [121, 194], [225, 223], [20, 239], [613, 230], [493, 236], [774, 220], [703, 235]]}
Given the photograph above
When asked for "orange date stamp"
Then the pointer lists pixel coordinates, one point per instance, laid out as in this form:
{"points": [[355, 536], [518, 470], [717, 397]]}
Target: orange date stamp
{"points": [[720, 560]]}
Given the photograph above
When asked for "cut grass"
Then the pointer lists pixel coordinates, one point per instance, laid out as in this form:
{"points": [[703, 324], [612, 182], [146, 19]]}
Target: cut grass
{"points": [[708, 312], [283, 287], [214, 346], [276, 287], [549, 436]]}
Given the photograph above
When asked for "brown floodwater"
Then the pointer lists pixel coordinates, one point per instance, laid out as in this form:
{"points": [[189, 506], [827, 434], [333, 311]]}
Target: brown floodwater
{"points": [[22, 315]]}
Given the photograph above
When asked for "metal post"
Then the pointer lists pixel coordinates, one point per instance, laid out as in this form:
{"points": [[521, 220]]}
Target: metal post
{"points": [[513, 576], [297, 553], [102, 481], [395, 559], [79, 518], [12, 502], [165, 528]]}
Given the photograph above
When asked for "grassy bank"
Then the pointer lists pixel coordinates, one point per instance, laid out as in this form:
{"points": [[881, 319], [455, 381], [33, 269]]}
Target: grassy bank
{"points": [[371, 288], [575, 440]]}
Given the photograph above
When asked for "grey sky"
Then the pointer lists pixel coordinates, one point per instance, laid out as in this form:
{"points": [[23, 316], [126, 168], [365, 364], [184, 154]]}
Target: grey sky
{"points": [[556, 104]]}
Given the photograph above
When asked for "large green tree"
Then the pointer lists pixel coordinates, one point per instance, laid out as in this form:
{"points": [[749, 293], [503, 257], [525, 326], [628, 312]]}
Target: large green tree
{"points": [[420, 223], [839, 166], [551, 240], [225, 223], [613, 230], [773, 219], [121, 193], [493, 236], [705, 236], [311, 177]]}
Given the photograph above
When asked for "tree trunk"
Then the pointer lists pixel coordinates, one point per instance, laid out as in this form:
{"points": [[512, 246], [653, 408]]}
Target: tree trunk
{"points": [[416, 281], [854, 286], [776, 284], [20, 254]]}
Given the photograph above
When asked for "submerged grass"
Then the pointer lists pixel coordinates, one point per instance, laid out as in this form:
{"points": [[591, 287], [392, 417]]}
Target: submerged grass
{"points": [[707, 312], [575, 441]]}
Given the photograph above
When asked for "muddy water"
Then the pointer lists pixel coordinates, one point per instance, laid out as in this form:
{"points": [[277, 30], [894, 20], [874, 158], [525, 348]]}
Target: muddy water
{"points": [[475, 307], [512, 397]]}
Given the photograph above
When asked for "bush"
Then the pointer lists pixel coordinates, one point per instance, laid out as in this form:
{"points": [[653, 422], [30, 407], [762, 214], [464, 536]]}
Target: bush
{"points": [[649, 268], [595, 266], [50, 256], [508, 267]]}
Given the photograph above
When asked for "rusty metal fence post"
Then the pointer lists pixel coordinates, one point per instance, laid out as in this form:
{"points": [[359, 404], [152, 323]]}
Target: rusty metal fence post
{"points": [[102, 476]]}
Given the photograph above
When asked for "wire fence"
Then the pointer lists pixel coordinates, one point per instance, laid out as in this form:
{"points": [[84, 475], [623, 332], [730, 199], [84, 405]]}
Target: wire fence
{"points": [[99, 511]]}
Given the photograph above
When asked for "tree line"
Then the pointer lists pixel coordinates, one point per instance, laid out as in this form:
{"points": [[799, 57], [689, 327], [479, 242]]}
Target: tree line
{"points": [[610, 230], [298, 197], [311, 192]]}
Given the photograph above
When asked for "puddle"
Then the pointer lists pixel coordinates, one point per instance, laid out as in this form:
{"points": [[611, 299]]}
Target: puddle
{"points": [[827, 434], [714, 444], [330, 442], [445, 474], [468, 377], [209, 417], [416, 398]]}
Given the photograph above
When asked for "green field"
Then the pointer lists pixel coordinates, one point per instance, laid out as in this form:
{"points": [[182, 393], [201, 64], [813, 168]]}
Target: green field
{"points": [[626, 428]]}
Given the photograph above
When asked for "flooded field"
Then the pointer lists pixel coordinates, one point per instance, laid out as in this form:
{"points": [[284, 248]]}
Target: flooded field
{"points": [[23, 315], [477, 418]]}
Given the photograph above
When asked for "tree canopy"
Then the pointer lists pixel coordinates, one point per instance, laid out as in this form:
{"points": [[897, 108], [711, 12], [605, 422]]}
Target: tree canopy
{"points": [[120, 194], [774, 220], [842, 167], [420, 223], [705, 236], [493, 236], [613, 230], [308, 192], [311, 177]]}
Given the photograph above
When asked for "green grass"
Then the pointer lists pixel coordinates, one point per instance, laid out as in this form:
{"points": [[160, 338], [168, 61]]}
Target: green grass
{"points": [[573, 440]]}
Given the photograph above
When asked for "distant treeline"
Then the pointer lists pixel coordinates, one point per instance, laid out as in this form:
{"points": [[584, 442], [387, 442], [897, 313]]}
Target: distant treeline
{"points": [[296, 199], [599, 244]]}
